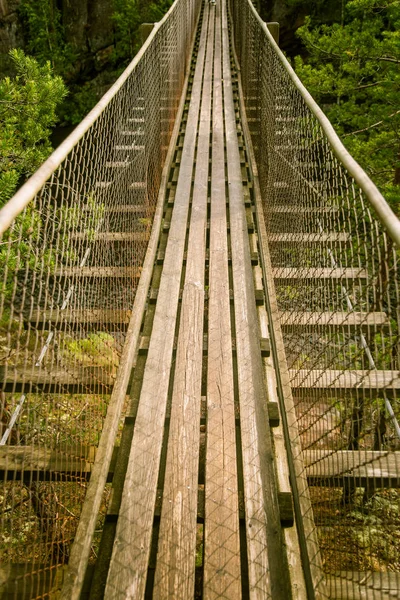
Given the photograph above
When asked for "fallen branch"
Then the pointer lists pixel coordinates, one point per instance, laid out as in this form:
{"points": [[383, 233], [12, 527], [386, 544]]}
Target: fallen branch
{"points": [[374, 125]]}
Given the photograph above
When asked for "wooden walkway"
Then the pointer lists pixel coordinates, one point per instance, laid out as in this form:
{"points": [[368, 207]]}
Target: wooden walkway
{"points": [[202, 376], [201, 503]]}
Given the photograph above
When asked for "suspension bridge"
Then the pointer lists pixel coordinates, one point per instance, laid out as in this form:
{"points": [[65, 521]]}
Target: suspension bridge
{"points": [[200, 340]]}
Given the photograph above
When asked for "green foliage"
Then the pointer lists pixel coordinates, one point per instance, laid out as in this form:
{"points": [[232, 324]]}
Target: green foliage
{"points": [[17, 250], [127, 20], [24, 248], [97, 349], [82, 102], [28, 106], [352, 69], [45, 34], [128, 15], [73, 219], [371, 532], [155, 11]]}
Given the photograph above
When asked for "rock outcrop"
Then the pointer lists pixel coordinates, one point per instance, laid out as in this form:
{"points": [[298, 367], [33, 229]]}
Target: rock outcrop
{"points": [[10, 32]]}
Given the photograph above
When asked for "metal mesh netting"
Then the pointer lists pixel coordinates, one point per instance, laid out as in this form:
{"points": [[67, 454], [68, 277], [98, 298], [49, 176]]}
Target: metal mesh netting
{"points": [[70, 268], [336, 278]]}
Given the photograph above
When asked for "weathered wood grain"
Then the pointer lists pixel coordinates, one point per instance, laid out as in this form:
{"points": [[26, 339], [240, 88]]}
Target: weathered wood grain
{"points": [[309, 238], [222, 577], [120, 208], [76, 380], [296, 209], [353, 320], [175, 566], [41, 464], [291, 445], [96, 272], [319, 273], [130, 558], [113, 236], [263, 532], [364, 585], [336, 379], [77, 317], [364, 467], [282, 474]]}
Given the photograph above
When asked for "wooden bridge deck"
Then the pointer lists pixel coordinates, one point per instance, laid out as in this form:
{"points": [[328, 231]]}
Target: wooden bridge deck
{"points": [[207, 249], [201, 503]]}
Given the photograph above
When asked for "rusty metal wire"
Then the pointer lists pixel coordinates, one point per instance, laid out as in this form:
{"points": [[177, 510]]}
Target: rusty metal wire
{"points": [[73, 244], [334, 249]]}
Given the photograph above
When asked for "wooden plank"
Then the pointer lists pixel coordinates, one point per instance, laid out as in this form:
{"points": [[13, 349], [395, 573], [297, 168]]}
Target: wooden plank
{"points": [[138, 185], [250, 224], [335, 379], [307, 579], [295, 209], [27, 463], [118, 164], [111, 236], [80, 317], [74, 380], [282, 470], [265, 347], [94, 272], [120, 208], [309, 238], [318, 273], [267, 564], [81, 548], [130, 557], [135, 185], [138, 132], [176, 556], [364, 585], [307, 575], [43, 464], [221, 531], [259, 296], [285, 506], [353, 320], [133, 147], [254, 258], [364, 467], [24, 581]]}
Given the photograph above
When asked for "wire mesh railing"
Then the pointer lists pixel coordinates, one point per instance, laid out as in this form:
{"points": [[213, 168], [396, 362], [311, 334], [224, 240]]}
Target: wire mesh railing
{"points": [[73, 244], [333, 247]]}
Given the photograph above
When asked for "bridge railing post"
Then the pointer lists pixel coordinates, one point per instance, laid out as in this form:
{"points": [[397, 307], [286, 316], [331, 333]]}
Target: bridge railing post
{"points": [[145, 30], [273, 27]]}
